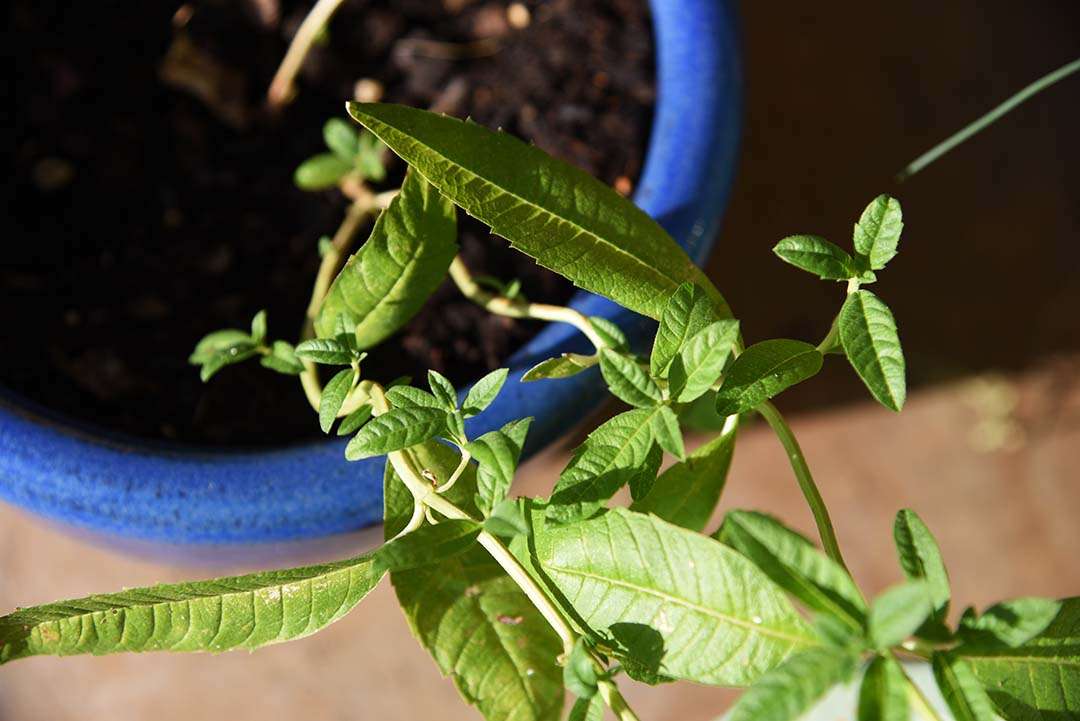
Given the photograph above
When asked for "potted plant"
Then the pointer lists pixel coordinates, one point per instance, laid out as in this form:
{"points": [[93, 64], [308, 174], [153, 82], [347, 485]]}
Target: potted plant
{"points": [[522, 599], [158, 495]]}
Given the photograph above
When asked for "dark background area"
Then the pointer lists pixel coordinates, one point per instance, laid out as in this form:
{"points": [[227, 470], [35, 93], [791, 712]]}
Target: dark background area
{"points": [[839, 97]]}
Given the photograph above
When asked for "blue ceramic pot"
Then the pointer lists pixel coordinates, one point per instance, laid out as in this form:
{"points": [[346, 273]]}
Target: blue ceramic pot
{"points": [[171, 495]]}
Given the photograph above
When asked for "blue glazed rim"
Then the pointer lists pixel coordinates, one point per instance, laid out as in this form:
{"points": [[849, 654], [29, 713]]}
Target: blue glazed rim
{"points": [[167, 494]]}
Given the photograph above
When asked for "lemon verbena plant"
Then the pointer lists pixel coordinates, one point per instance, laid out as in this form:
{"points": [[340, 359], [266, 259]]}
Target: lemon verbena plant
{"points": [[521, 599]]}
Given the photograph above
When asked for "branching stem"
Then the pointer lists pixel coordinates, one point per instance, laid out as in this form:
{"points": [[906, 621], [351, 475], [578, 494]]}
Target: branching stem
{"points": [[511, 308], [806, 481]]}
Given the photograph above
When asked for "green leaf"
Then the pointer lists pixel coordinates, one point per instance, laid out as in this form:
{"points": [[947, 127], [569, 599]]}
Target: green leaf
{"points": [[686, 493], [282, 358], [641, 482], [838, 634], [566, 365], [217, 342], [1012, 623], [258, 328], [228, 356], [870, 341], [404, 260], [700, 414], [883, 692], [507, 520], [443, 390], [399, 428], [217, 615], [341, 137], [897, 613], [785, 693], [428, 545], [321, 172], [920, 558], [579, 673], [369, 158], [587, 709], [816, 255], [1038, 679], [964, 695], [604, 463], [878, 231], [721, 621], [611, 334], [627, 381], [796, 565], [412, 397], [702, 360], [497, 454], [352, 422], [561, 216], [762, 371], [667, 432], [327, 351], [688, 310], [473, 619], [483, 392], [333, 397]]}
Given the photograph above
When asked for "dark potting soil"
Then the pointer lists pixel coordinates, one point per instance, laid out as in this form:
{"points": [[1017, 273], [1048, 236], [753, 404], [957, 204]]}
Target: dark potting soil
{"points": [[151, 197]]}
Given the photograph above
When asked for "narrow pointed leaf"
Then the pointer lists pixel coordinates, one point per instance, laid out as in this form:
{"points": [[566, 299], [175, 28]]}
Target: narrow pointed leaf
{"points": [[341, 137], [565, 219], [405, 396], [1037, 680], [327, 351], [720, 620], [443, 390], [883, 694], [483, 392], [496, 454], [603, 464], [404, 260], [282, 359], [566, 365], [870, 341], [321, 172], [397, 429], [479, 627], [214, 343], [641, 482], [667, 432], [258, 328], [688, 310], [762, 371], [587, 709], [217, 615], [610, 333], [897, 613], [352, 422], [686, 493], [702, 360], [507, 520], [333, 397], [877, 233], [627, 381], [921, 558], [963, 693], [786, 692], [796, 565], [816, 255]]}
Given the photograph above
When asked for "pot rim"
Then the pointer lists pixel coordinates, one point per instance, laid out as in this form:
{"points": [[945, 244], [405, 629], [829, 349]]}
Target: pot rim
{"points": [[180, 494]]}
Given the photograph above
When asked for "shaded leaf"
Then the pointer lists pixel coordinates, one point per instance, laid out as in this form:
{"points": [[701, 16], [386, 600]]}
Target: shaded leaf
{"points": [[352, 422], [921, 558], [404, 260], [870, 341], [964, 695], [796, 565], [627, 381], [686, 493], [333, 397], [883, 692], [786, 692], [579, 673], [897, 613], [497, 454], [641, 482], [565, 219], [507, 520], [282, 358], [428, 544], [443, 390], [762, 371], [1012, 623], [587, 709], [688, 310], [667, 433]]}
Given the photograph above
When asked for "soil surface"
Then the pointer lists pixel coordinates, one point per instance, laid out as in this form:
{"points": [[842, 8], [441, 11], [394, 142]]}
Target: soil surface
{"points": [[152, 198]]}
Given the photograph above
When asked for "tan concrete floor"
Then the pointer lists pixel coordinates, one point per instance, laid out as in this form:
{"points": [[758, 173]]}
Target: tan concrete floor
{"points": [[990, 464]]}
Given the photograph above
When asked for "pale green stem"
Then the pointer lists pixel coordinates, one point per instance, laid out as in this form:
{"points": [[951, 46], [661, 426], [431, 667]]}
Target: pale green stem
{"points": [[282, 87], [945, 146], [831, 340], [919, 700], [500, 305], [465, 457], [806, 481], [426, 496]]}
